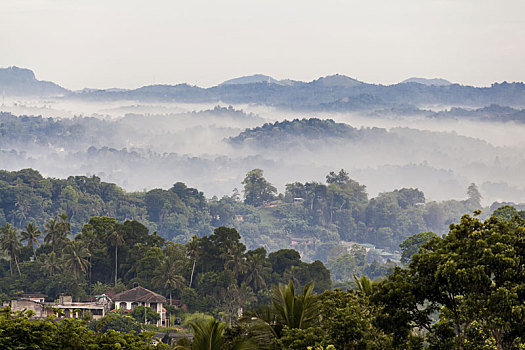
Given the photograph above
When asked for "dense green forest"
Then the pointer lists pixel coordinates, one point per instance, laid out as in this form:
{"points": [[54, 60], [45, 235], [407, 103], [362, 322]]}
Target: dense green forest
{"points": [[214, 273], [465, 290], [320, 214]]}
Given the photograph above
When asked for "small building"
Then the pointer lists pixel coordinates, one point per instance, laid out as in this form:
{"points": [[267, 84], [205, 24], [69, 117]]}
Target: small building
{"points": [[34, 302], [38, 297], [294, 241], [97, 309], [272, 204], [64, 307], [129, 299]]}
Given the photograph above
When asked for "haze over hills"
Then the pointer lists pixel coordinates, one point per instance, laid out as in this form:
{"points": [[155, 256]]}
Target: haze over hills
{"points": [[436, 138], [16, 81], [425, 81], [317, 95], [252, 79]]}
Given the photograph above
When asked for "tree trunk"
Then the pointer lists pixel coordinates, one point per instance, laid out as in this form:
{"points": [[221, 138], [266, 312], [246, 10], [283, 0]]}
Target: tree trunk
{"points": [[18, 267], [90, 270], [192, 271], [116, 252]]}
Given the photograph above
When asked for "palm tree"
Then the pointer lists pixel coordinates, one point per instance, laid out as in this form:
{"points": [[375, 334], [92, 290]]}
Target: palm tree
{"points": [[364, 285], [22, 208], [56, 234], [192, 248], [288, 309], [207, 335], [234, 299], [74, 258], [235, 259], [262, 326], [50, 264], [64, 227], [31, 234], [257, 267], [166, 276], [116, 239], [295, 311], [91, 242], [10, 242]]}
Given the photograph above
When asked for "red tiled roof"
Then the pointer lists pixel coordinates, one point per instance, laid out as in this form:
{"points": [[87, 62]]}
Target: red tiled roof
{"points": [[110, 294], [139, 294]]}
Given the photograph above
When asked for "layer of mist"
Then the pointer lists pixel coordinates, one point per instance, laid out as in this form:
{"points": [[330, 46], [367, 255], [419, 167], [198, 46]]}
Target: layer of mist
{"points": [[146, 145]]}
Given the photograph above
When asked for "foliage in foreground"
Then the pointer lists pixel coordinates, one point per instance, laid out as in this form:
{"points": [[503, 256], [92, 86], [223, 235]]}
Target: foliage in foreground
{"points": [[463, 291], [473, 279], [18, 331]]}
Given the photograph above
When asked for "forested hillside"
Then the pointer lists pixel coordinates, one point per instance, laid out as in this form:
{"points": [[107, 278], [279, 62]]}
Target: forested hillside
{"points": [[462, 291], [214, 148], [320, 94], [323, 214]]}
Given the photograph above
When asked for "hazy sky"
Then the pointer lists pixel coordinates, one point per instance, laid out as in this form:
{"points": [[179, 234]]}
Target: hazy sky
{"points": [[130, 43]]}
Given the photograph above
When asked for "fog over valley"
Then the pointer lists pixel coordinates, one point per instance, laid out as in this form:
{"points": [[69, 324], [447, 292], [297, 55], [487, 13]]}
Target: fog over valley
{"points": [[209, 139]]}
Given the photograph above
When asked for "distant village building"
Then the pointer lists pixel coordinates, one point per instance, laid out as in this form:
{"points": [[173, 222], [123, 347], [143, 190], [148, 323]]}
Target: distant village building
{"points": [[65, 307], [295, 241], [271, 204], [129, 299], [37, 297], [302, 244], [98, 308]]}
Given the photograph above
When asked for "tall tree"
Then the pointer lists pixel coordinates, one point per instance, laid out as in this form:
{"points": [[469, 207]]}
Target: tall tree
{"points": [[167, 276], [192, 249], [474, 197], [337, 178], [56, 234], [234, 259], [472, 274], [257, 268], [116, 239], [411, 245], [31, 234], [50, 264], [256, 189], [10, 242], [75, 258], [90, 240]]}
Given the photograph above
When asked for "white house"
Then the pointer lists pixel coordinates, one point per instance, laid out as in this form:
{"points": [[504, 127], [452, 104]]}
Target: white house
{"points": [[129, 299]]}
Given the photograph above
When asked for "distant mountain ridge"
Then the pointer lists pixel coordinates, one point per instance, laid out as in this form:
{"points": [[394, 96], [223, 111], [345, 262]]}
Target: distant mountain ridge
{"points": [[337, 80], [331, 93], [429, 82], [251, 79], [15, 81]]}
